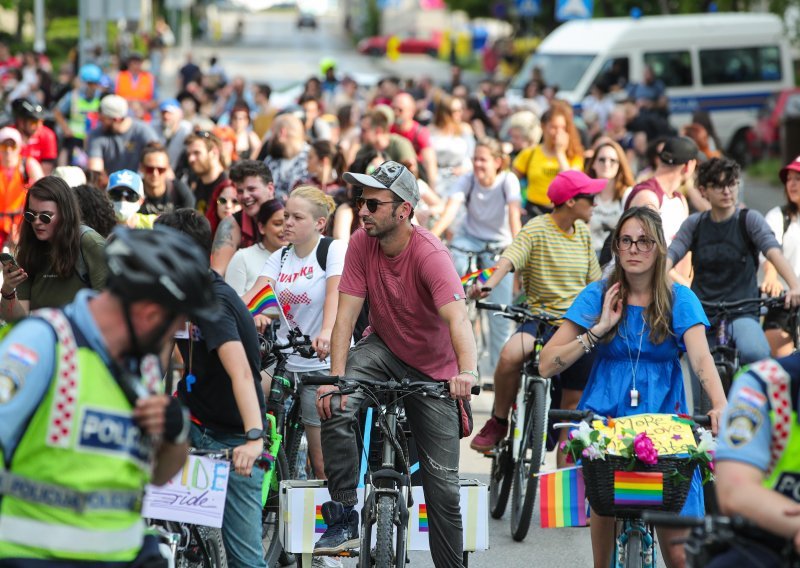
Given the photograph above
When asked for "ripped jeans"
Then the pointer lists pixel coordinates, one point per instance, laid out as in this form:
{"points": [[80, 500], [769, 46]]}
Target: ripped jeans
{"points": [[434, 425]]}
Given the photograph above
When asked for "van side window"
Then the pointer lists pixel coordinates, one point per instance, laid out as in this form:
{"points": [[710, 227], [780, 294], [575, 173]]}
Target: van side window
{"points": [[613, 74], [674, 68], [740, 65]]}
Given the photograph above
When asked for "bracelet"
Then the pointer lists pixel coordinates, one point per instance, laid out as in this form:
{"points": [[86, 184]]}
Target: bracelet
{"points": [[10, 296], [583, 343], [473, 373], [595, 336]]}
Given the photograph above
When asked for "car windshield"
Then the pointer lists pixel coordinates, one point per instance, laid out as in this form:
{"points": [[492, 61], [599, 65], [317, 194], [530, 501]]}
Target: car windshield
{"points": [[563, 70]]}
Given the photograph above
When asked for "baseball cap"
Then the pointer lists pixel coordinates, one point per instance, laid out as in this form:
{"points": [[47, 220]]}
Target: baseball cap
{"points": [[91, 73], [678, 150], [10, 133], [126, 178], [571, 183], [170, 105], [114, 106], [392, 176], [794, 166]]}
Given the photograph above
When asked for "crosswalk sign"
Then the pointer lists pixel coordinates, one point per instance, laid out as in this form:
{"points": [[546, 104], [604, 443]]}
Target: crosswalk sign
{"points": [[528, 8], [574, 10]]}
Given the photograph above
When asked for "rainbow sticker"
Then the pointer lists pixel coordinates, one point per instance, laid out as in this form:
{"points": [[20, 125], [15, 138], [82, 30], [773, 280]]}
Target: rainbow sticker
{"points": [[638, 488], [423, 518], [319, 522]]}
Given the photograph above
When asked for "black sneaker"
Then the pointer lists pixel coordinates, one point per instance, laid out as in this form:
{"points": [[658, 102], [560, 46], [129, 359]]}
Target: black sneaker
{"points": [[342, 531]]}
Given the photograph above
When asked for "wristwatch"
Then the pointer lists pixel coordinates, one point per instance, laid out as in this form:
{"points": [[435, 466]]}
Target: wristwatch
{"points": [[254, 434]]}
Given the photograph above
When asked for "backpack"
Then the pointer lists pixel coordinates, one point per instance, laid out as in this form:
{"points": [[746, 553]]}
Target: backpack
{"points": [[751, 246], [322, 252], [80, 267]]}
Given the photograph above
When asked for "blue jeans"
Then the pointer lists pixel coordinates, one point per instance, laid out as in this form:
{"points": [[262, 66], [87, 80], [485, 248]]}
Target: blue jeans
{"points": [[750, 342], [499, 328], [241, 523]]}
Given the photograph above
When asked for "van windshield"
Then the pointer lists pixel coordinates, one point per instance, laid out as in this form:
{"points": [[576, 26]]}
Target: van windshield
{"points": [[563, 70]]}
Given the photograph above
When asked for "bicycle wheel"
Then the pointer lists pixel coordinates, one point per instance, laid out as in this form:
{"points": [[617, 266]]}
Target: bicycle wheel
{"points": [[529, 461], [204, 550], [632, 551], [273, 550], [500, 478], [295, 433], [384, 533]]}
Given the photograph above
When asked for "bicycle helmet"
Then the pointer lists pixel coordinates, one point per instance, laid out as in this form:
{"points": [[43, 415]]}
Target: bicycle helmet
{"points": [[161, 265], [90, 73], [23, 108]]}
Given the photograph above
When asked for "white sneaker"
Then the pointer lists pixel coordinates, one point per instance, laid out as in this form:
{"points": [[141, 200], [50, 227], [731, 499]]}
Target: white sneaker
{"points": [[326, 562]]}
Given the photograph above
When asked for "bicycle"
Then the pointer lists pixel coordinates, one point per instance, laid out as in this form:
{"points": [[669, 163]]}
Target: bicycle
{"points": [[714, 534], [635, 543], [517, 459], [387, 490]]}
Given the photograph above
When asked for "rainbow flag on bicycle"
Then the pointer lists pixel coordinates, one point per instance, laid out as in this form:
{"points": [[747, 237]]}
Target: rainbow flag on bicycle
{"points": [[482, 276], [562, 501], [263, 301]]}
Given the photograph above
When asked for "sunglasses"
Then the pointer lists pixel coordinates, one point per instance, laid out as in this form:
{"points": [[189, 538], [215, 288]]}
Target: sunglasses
{"points": [[8, 144], [153, 169], [372, 204], [224, 201], [45, 218], [119, 195], [587, 197]]}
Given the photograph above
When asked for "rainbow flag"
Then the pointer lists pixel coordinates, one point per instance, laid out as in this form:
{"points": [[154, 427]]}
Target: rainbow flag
{"points": [[263, 301], [319, 522], [481, 275], [562, 498], [638, 488], [423, 518]]}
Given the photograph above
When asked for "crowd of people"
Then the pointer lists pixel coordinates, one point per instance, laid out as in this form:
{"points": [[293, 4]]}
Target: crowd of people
{"points": [[115, 202]]}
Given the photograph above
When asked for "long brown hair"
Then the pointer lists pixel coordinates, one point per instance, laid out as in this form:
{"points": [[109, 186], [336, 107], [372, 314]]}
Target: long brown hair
{"points": [[60, 252], [562, 108], [624, 178], [658, 313], [443, 117]]}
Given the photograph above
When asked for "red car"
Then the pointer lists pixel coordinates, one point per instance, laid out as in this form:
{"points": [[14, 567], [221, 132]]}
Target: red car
{"points": [[376, 45], [764, 138]]}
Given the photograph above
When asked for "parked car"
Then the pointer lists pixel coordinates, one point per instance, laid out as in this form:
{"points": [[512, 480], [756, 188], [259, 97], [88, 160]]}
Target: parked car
{"points": [[306, 20], [376, 45], [764, 138]]}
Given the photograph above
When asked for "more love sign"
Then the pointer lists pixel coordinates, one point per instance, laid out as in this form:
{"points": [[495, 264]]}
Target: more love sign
{"points": [[195, 495], [670, 434]]}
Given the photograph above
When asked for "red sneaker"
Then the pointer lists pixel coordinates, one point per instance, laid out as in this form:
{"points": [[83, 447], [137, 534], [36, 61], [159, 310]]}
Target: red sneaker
{"points": [[490, 435]]}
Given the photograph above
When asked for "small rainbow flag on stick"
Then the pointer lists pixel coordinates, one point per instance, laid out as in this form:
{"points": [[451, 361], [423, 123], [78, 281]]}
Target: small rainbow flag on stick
{"points": [[319, 522], [263, 301], [481, 275], [562, 501], [423, 517], [638, 488]]}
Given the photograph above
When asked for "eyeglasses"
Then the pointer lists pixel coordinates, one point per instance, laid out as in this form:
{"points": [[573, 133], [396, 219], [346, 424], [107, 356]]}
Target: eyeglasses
{"points": [[154, 169], [642, 245], [612, 161], [224, 201], [372, 204], [721, 188], [31, 216], [120, 194]]}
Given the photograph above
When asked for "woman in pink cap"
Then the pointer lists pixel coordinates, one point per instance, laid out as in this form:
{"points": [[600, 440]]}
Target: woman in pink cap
{"points": [[783, 220]]}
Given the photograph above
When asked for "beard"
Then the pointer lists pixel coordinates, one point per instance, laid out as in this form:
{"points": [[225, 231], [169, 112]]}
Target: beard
{"points": [[201, 167], [276, 149]]}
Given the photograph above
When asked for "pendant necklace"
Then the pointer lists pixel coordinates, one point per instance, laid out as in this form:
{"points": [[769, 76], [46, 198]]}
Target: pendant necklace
{"points": [[634, 368]]}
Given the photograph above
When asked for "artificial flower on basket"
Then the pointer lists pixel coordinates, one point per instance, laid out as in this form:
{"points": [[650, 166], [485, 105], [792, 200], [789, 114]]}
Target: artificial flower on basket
{"points": [[703, 455], [585, 442]]}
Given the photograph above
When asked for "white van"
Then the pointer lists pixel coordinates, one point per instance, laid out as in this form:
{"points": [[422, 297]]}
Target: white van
{"points": [[727, 64]]}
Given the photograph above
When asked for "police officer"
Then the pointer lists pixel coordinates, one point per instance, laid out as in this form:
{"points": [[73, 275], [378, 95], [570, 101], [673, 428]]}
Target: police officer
{"points": [[78, 110], [758, 459], [83, 431]]}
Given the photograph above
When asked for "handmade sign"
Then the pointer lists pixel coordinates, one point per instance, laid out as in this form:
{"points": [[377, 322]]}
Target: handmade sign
{"points": [[195, 495], [562, 498], [669, 433]]}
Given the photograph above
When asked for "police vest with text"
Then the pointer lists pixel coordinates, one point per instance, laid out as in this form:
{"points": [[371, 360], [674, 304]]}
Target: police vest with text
{"points": [[72, 488]]}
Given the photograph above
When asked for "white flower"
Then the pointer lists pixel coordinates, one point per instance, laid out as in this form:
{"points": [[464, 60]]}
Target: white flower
{"points": [[707, 441], [584, 430], [593, 453]]}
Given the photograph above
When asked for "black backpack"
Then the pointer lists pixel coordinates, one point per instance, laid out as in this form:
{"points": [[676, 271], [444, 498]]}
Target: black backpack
{"points": [[322, 252], [751, 246]]}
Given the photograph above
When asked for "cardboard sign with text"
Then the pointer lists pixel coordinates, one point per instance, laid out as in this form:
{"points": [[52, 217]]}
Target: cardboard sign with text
{"points": [[670, 433]]}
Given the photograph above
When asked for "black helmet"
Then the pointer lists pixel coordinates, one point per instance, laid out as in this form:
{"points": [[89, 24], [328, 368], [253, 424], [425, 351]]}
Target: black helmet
{"points": [[161, 265], [23, 108]]}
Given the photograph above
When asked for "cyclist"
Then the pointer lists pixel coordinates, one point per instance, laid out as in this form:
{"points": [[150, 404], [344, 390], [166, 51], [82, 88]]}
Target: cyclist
{"points": [[636, 312], [757, 468], [77, 439], [420, 330], [725, 242], [222, 389], [554, 252]]}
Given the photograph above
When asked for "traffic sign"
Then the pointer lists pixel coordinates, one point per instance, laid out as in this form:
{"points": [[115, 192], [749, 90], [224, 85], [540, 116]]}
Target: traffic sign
{"points": [[528, 8], [574, 10]]}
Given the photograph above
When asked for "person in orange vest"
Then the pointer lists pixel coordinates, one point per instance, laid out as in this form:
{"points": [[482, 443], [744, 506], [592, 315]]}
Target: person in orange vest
{"points": [[17, 174], [138, 87]]}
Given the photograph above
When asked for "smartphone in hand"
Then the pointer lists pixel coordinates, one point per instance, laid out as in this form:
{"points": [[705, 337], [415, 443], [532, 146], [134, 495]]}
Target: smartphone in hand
{"points": [[6, 258]]}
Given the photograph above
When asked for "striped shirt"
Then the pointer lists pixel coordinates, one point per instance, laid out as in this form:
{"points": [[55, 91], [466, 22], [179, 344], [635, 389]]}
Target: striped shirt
{"points": [[555, 266]]}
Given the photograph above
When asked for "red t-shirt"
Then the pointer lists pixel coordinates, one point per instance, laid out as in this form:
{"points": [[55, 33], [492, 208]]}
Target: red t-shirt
{"points": [[418, 135], [405, 294], [42, 145]]}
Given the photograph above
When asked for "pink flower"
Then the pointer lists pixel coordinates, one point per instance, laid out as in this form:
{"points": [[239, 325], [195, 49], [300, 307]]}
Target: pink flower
{"points": [[562, 446], [711, 466], [644, 449]]}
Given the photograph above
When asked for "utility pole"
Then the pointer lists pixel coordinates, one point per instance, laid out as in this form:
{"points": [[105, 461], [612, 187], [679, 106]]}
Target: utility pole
{"points": [[39, 44]]}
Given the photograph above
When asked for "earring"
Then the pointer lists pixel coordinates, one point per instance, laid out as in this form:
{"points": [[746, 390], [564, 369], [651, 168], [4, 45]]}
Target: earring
{"points": [[401, 217]]}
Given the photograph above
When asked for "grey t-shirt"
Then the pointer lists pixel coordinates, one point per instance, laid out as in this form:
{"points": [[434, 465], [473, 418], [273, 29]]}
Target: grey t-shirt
{"points": [[487, 211], [121, 151]]}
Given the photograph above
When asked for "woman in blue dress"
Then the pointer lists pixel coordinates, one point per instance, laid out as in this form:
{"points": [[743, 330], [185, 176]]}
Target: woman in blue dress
{"points": [[639, 323]]}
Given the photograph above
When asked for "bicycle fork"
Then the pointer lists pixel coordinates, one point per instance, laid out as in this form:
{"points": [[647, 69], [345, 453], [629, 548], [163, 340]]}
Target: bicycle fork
{"points": [[645, 536]]}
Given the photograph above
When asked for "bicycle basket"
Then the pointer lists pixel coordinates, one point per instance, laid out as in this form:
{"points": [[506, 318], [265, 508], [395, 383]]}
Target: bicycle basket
{"points": [[598, 476]]}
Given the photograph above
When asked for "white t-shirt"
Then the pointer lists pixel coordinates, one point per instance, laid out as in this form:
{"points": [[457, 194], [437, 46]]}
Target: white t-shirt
{"points": [[245, 267], [487, 211], [674, 212], [300, 288], [789, 241]]}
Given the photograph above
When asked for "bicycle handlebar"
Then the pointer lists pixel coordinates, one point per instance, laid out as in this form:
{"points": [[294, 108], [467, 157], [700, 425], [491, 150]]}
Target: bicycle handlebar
{"points": [[517, 313], [779, 300], [349, 384]]}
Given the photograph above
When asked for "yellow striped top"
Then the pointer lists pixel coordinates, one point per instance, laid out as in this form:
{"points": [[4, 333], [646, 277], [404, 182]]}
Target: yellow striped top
{"points": [[555, 266]]}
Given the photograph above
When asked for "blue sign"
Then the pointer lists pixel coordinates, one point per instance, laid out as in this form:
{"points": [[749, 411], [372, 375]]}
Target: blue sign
{"points": [[574, 10], [528, 8]]}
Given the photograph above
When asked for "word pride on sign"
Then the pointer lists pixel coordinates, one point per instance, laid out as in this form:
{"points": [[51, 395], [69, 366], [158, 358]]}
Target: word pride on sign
{"points": [[670, 433], [195, 495]]}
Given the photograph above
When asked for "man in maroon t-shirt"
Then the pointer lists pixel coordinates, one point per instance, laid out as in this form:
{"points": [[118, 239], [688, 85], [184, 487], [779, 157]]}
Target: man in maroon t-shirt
{"points": [[405, 108], [420, 330]]}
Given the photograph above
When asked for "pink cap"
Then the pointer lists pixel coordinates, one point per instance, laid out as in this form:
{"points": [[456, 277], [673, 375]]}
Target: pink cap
{"points": [[566, 185], [793, 166], [10, 133]]}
